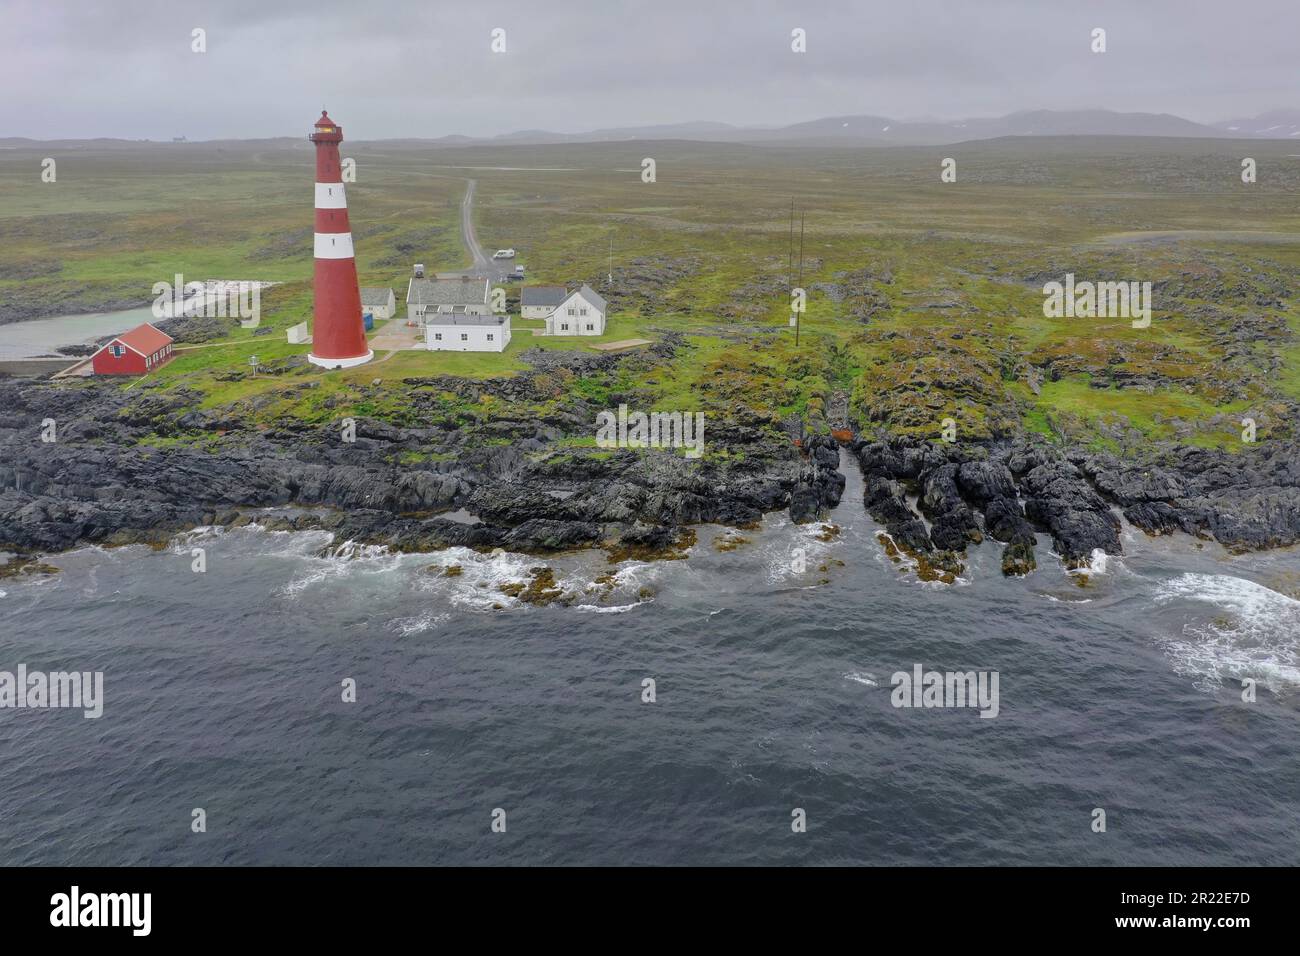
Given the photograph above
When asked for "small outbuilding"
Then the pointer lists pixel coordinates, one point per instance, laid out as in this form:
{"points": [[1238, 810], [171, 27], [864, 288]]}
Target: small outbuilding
{"points": [[379, 302], [137, 352]]}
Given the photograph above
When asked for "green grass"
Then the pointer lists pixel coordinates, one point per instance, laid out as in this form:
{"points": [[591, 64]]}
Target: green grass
{"points": [[924, 298]]}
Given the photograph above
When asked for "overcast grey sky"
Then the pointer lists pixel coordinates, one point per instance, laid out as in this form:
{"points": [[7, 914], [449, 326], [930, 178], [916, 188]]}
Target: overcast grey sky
{"points": [[125, 68]]}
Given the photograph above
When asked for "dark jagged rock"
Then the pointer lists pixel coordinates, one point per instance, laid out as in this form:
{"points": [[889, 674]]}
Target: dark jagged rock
{"points": [[651, 543], [1059, 498], [820, 484], [885, 501], [1246, 501], [954, 488], [139, 466], [1018, 559], [953, 523], [106, 478], [988, 485]]}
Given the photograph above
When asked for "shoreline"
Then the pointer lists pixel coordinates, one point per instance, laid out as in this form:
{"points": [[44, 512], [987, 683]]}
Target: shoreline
{"points": [[106, 311], [517, 456]]}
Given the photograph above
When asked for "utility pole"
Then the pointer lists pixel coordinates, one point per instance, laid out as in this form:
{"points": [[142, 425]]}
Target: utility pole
{"points": [[789, 268], [611, 260], [798, 314]]}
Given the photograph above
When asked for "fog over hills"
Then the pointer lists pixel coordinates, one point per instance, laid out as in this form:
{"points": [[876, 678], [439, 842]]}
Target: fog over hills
{"points": [[872, 130], [1275, 124]]}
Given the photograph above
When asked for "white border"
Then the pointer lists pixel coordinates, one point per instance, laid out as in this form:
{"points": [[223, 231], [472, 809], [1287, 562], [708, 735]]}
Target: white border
{"points": [[340, 362]]}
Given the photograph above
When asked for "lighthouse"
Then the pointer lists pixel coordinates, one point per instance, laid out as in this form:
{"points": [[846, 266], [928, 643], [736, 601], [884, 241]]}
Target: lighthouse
{"points": [[338, 336]]}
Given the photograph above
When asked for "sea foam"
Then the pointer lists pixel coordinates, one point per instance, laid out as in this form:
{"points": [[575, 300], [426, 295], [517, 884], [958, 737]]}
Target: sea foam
{"points": [[1257, 637]]}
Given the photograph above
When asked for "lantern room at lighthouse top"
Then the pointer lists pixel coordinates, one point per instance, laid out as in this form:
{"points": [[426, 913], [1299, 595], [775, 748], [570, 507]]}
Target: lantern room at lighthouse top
{"points": [[326, 130]]}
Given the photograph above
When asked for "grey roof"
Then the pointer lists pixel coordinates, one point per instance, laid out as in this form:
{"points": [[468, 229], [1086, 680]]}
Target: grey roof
{"points": [[375, 295], [447, 292], [592, 296], [438, 319], [543, 295]]}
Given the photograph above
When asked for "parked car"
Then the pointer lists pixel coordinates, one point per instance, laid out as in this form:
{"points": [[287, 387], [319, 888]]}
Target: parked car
{"points": [[504, 254]]}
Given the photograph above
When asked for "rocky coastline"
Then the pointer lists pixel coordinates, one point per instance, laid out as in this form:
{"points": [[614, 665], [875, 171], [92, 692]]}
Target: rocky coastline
{"points": [[934, 499], [499, 483]]}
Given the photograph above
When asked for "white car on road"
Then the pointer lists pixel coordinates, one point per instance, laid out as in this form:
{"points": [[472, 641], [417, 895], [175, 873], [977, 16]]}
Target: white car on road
{"points": [[504, 254]]}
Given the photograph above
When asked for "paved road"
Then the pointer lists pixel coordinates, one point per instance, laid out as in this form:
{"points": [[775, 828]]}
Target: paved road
{"points": [[483, 264]]}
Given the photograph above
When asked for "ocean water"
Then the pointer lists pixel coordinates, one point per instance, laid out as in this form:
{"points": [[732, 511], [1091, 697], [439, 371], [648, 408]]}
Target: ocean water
{"points": [[37, 337], [773, 692]]}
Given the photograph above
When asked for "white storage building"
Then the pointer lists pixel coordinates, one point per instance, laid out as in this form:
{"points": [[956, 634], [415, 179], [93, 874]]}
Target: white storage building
{"points": [[466, 332]]}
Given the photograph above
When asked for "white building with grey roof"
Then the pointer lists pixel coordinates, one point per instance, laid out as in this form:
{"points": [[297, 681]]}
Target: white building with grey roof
{"points": [[581, 312], [464, 296], [539, 301], [466, 332], [379, 302]]}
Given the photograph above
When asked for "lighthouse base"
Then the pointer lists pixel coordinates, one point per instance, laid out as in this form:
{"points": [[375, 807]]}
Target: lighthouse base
{"points": [[340, 362]]}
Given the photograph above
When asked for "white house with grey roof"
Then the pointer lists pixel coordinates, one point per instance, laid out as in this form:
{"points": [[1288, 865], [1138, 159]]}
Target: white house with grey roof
{"points": [[581, 312], [539, 301], [464, 296], [379, 302], [466, 332]]}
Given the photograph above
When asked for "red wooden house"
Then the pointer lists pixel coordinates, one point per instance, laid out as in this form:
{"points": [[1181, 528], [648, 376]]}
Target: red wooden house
{"points": [[137, 352]]}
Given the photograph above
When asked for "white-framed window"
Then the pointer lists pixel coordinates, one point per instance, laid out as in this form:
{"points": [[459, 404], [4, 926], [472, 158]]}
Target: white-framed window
{"points": [[590, 327], [564, 326], [491, 337], [118, 351], [583, 312], [571, 311], [464, 336], [437, 336]]}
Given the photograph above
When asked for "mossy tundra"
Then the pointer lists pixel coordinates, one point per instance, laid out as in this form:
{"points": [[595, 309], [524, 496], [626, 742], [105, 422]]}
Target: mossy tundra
{"points": [[925, 300]]}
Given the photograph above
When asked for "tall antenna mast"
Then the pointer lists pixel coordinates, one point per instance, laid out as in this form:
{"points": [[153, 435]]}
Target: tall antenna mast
{"points": [[800, 312], [611, 260], [789, 268]]}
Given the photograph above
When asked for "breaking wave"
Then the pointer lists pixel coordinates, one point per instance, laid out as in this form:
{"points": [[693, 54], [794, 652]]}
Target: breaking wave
{"points": [[471, 579], [344, 560], [861, 678], [418, 624], [1257, 634]]}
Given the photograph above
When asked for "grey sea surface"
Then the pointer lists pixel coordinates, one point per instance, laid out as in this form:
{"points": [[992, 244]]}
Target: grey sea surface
{"points": [[772, 667]]}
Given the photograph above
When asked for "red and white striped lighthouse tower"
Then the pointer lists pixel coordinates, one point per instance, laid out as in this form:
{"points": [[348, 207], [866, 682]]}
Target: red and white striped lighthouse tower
{"points": [[338, 335]]}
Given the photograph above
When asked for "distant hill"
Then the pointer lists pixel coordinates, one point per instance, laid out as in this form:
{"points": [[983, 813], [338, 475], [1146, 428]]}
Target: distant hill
{"points": [[872, 130], [1275, 124], [854, 130]]}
